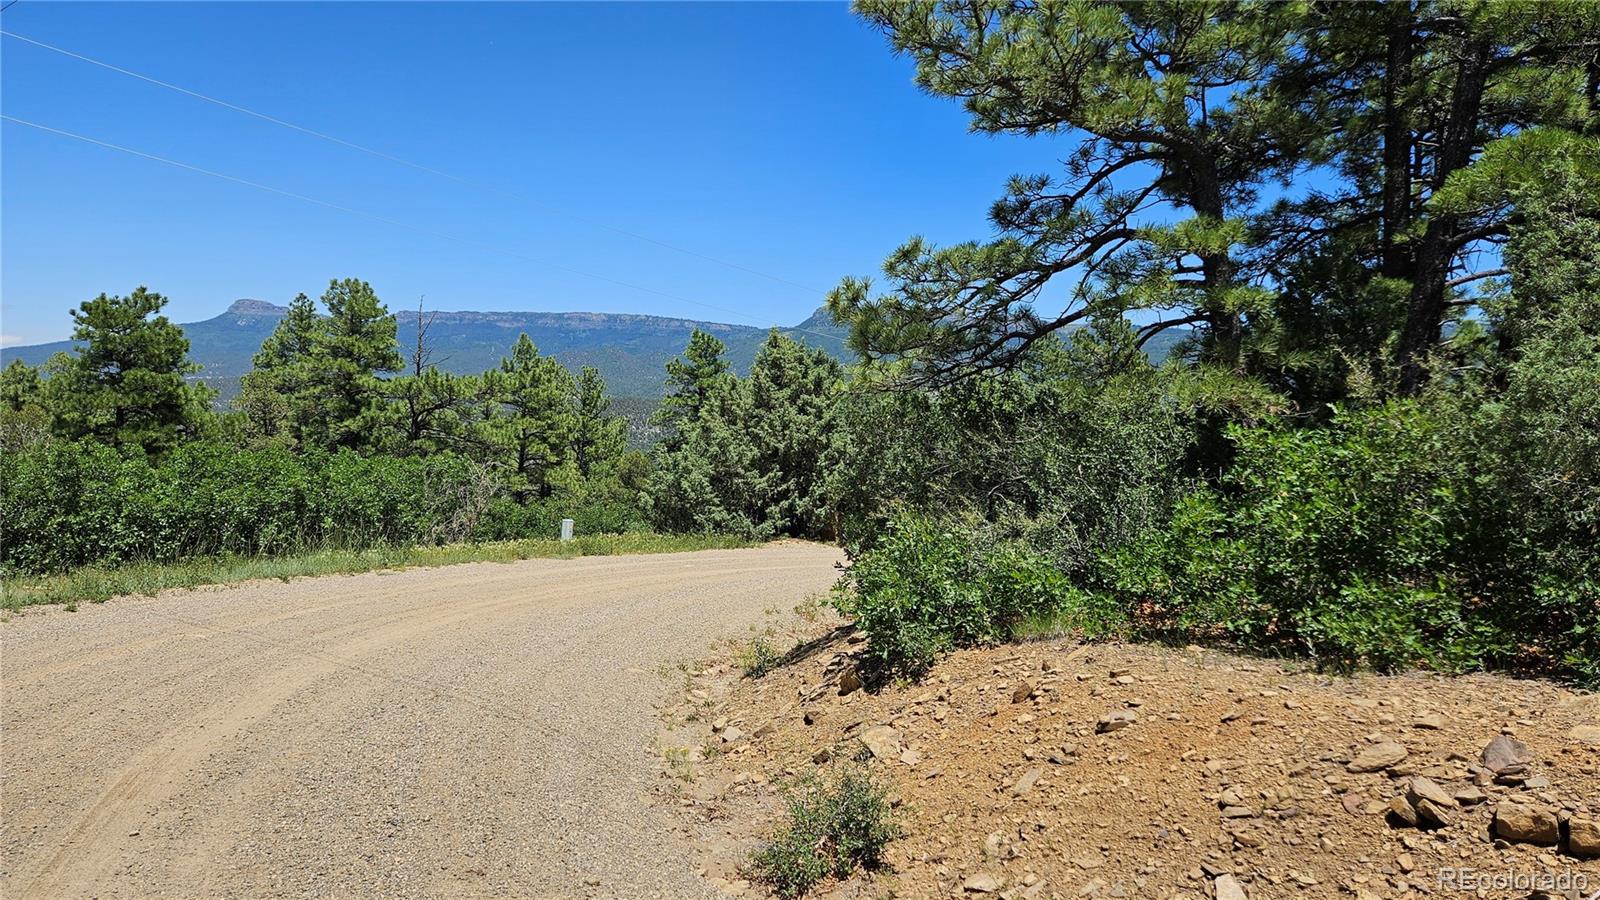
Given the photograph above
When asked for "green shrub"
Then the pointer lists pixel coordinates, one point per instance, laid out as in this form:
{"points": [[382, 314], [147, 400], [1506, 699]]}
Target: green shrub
{"points": [[1393, 536], [834, 826], [71, 504], [606, 508], [927, 587]]}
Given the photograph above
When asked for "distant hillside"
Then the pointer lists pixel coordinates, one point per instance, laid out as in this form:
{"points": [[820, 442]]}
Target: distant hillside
{"points": [[630, 350]]}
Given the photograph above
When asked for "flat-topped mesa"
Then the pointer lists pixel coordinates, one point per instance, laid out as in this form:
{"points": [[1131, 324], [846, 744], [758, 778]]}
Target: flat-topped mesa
{"points": [[248, 307]]}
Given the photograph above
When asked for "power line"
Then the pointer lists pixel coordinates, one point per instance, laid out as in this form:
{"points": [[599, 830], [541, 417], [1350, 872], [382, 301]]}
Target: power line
{"points": [[397, 223], [360, 148]]}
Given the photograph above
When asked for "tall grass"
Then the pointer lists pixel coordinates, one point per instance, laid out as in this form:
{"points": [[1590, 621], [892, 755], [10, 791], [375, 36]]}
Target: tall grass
{"points": [[94, 584]]}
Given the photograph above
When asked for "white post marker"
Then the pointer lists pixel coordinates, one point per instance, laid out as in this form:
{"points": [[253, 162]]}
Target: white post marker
{"points": [[566, 529]]}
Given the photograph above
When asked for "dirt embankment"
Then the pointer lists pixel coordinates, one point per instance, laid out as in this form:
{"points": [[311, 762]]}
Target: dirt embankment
{"points": [[477, 730], [1055, 770]]}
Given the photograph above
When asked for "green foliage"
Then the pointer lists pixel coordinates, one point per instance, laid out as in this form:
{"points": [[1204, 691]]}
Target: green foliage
{"points": [[125, 387], [691, 381], [759, 658], [1327, 540], [791, 425], [597, 437], [927, 587], [24, 419], [746, 456], [834, 826], [1410, 533], [69, 504], [278, 398], [1079, 449], [357, 345], [530, 427], [20, 386]]}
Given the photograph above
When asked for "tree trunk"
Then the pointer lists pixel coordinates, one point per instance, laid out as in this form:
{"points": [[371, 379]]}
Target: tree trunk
{"points": [[1426, 308], [1216, 269], [1396, 261]]}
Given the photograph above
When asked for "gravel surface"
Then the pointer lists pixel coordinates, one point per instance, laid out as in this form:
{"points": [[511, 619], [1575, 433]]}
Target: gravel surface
{"points": [[475, 730]]}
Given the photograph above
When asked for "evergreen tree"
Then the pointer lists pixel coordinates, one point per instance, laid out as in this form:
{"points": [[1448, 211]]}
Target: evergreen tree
{"points": [[359, 344], [792, 426], [691, 380], [126, 385], [531, 429], [278, 397], [423, 413], [19, 386], [598, 438], [1409, 96], [704, 479], [24, 421], [1175, 108]]}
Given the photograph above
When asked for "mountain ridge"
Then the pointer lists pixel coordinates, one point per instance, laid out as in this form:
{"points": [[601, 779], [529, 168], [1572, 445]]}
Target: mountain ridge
{"points": [[630, 349]]}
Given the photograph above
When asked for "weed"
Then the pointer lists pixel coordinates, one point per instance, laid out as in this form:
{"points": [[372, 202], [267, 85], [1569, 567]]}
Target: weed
{"points": [[759, 657], [681, 760], [834, 825]]}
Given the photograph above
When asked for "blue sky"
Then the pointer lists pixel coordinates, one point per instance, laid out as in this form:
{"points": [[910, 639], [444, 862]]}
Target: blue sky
{"points": [[785, 138]]}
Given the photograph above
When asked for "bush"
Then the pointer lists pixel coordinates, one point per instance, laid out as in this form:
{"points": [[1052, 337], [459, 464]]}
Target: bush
{"points": [[833, 827], [927, 587], [1397, 535], [70, 504], [603, 508], [1079, 450]]}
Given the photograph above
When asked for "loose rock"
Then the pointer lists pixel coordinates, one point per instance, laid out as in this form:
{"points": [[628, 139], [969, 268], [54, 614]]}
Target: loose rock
{"points": [[1377, 757], [982, 883], [849, 681], [1585, 734], [1583, 837], [1115, 720], [1526, 823], [882, 740], [1027, 781], [1229, 888], [1401, 810], [1506, 755]]}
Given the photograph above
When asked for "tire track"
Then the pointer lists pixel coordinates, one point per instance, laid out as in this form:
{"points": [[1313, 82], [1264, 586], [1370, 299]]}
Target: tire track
{"points": [[421, 619]]}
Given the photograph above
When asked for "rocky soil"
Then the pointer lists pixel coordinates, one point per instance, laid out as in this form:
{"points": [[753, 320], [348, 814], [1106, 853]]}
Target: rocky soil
{"points": [[1058, 770]]}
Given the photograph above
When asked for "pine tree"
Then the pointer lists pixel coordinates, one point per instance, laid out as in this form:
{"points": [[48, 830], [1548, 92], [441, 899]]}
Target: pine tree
{"points": [[24, 421], [1175, 109], [278, 397], [358, 345], [126, 385], [704, 479], [792, 426], [19, 386], [598, 438], [691, 380], [531, 429]]}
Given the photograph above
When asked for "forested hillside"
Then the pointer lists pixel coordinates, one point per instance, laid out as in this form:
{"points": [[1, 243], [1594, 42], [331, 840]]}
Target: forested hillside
{"points": [[629, 350]]}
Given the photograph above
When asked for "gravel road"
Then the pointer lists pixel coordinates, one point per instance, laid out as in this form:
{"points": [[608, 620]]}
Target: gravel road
{"points": [[475, 730]]}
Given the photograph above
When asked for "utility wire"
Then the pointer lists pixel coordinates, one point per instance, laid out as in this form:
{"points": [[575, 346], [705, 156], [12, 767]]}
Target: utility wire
{"points": [[399, 224], [360, 148]]}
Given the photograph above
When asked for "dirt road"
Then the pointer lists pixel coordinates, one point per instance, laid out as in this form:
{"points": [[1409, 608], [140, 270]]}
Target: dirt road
{"points": [[476, 730]]}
